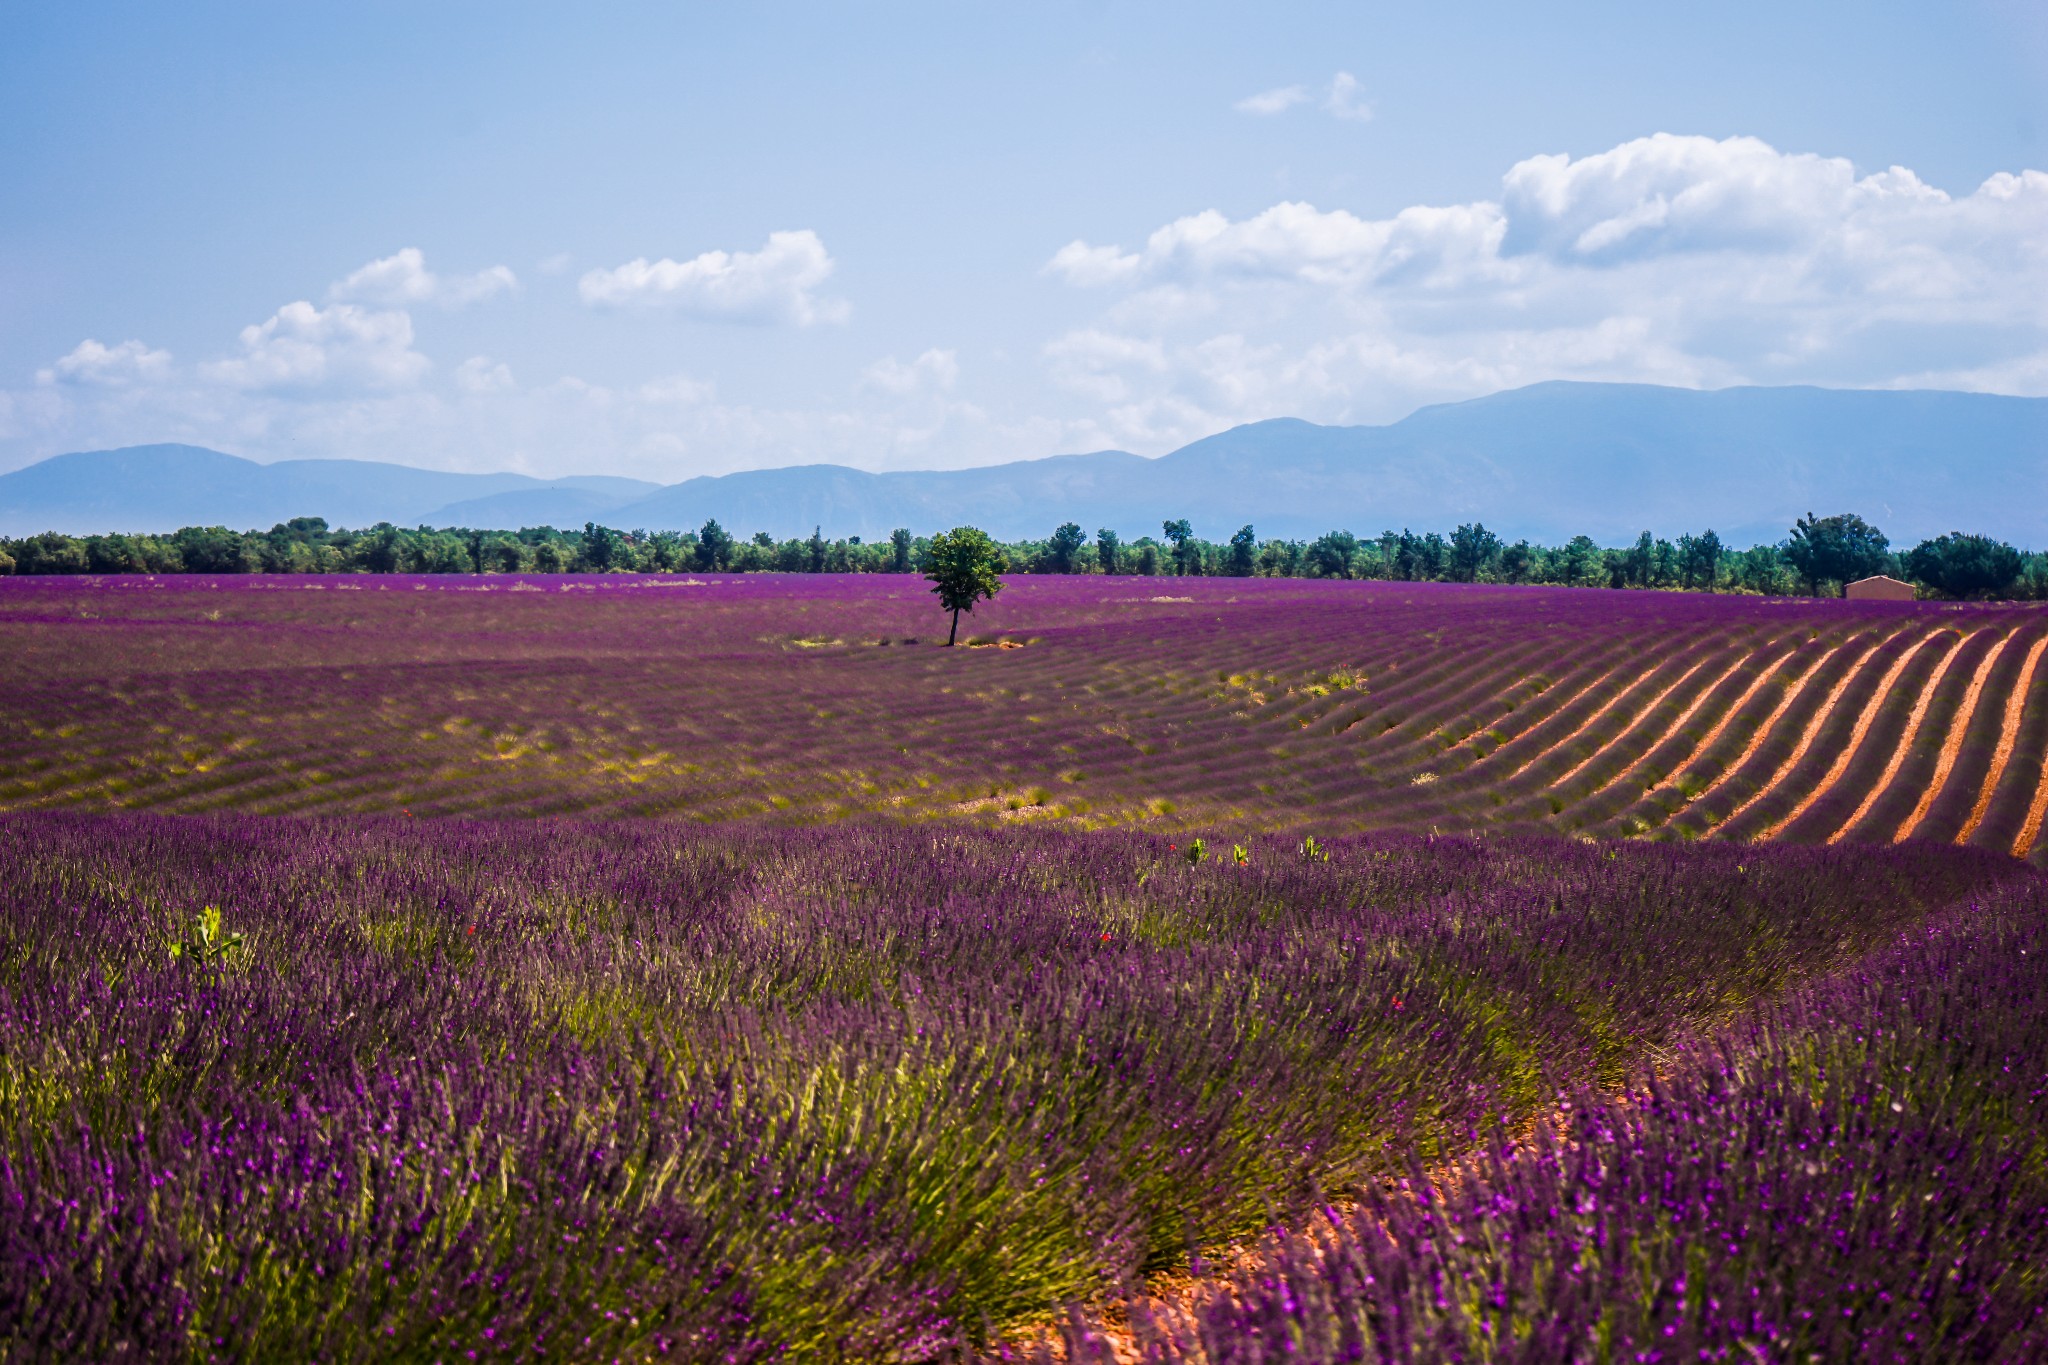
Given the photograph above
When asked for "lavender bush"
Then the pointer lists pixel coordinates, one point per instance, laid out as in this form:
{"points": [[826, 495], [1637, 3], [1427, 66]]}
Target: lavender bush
{"points": [[1856, 1174], [634, 1091]]}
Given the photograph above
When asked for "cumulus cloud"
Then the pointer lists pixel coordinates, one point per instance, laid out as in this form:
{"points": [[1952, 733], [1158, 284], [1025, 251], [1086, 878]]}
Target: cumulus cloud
{"points": [[933, 370], [1673, 260], [120, 366], [403, 280], [1684, 260], [1299, 242], [1269, 102], [342, 346], [777, 284]]}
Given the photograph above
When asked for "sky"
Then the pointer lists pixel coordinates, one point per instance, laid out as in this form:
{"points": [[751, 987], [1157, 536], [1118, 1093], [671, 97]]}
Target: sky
{"points": [[675, 239]]}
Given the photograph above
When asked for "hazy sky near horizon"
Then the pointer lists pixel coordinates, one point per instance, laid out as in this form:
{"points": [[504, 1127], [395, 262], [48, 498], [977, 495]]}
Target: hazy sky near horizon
{"points": [[667, 240]]}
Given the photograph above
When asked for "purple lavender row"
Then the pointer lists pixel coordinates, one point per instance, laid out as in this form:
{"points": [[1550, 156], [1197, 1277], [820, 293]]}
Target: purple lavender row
{"points": [[638, 1092], [1860, 1175]]}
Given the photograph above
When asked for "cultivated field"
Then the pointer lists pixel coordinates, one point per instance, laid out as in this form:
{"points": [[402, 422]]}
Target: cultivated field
{"points": [[612, 1091], [1216, 704], [1202, 972]]}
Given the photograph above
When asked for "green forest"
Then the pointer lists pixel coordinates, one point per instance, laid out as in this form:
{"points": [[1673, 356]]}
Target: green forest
{"points": [[1816, 558]]}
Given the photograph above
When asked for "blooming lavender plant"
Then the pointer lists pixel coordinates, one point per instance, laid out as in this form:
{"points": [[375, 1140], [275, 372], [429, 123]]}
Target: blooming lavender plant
{"points": [[1855, 1173], [633, 1091]]}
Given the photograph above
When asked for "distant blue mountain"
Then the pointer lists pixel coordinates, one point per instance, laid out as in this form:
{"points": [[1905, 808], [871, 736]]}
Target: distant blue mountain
{"points": [[1548, 462], [163, 487]]}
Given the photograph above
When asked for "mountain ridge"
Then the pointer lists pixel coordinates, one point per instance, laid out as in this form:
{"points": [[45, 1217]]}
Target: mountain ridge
{"points": [[1546, 461]]}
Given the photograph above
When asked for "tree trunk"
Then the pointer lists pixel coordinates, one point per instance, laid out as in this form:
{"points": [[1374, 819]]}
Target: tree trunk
{"points": [[956, 628]]}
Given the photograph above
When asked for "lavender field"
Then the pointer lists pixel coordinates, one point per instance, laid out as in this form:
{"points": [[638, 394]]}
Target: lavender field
{"points": [[626, 1091], [1170, 703], [1856, 1173], [1189, 971]]}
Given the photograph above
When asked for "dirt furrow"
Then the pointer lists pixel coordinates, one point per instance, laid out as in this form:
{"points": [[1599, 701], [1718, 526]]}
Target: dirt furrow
{"points": [[1654, 703], [1857, 733], [1757, 736], [1951, 747], [1677, 727], [2015, 707], [1821, 716]]}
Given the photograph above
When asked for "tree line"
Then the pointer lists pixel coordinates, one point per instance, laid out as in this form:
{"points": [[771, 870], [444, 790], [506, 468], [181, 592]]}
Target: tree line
{"points": [[1818, 556]]}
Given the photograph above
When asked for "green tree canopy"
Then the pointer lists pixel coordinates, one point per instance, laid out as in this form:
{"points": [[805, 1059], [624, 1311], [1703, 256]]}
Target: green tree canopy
{"points": [[1699, 560], [965, 567], [1473, 547], [1958, 565], [714, 546], [603, 548], [1331, 554], [1106, 546], [1244, 553], [1064, 546], [1839, 549]]}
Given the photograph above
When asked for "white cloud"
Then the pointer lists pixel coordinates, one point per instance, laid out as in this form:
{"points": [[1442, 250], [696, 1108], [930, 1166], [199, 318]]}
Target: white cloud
{"points": [[1269, 102], [342, 346], [1296, 241], [120, 366], [1668, 260], [403, 280], [1681, 260], [775, 284], [1080, 263], [935, 369], [1343, 99]]}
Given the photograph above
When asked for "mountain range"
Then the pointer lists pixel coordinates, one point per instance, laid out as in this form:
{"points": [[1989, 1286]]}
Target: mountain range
{"points": [[1548, 462]]}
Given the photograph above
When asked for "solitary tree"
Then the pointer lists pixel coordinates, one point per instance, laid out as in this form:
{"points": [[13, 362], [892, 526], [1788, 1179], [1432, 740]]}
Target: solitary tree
{"points": [[1835, 549], [1065, 544], [1956, 565], [1106, 547], [965, 567]]}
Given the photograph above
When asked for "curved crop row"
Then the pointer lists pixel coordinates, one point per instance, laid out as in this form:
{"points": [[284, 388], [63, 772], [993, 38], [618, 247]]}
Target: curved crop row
{"points": [[1228, 704], [1936, 699]]}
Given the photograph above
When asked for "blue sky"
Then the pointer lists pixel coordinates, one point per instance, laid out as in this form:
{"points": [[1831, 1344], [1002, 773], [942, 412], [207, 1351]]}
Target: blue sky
{"points": [[666, 240]]}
